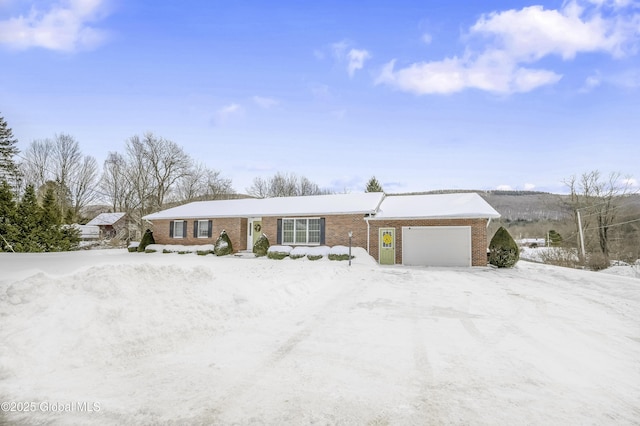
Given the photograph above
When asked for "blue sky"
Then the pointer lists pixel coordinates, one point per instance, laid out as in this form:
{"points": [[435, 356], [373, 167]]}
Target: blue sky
{"points": [[422, 94]]}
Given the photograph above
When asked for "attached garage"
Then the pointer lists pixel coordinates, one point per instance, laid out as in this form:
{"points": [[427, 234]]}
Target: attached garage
{"points": [[436, 245], [431, 230]]}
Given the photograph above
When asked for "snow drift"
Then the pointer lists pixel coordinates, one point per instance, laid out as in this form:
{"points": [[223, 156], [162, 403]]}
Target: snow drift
{"points": [[169, 338]]}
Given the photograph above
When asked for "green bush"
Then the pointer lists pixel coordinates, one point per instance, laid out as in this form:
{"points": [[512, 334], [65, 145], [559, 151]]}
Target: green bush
{"points": [[147, 239], [133, 249], [314, 256], [223, 245], [503, 250], [261, 247], [203, 252], [333, 256], [278, 255], [149, 251]]}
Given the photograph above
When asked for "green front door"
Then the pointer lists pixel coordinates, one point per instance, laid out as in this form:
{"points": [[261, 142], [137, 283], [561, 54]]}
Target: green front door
{"points": [[257, 231], [387, 244]]}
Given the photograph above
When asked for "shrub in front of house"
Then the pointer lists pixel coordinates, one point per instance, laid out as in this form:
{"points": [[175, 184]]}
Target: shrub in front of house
{"points": [[317, 253], [298, 252], [223, 245], [261, 247], [147, 239], [339, 253], [503, 250], [278, 252], [133, 247]]}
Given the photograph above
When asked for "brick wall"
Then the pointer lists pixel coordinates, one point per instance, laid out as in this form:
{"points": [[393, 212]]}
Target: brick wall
{"points": [[236, 228], [478, 235], [337, 229]]}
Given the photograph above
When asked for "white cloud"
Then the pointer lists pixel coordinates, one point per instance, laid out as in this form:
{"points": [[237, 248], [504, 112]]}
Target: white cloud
{"points": [[504, 188], [529, 187], [455, 74], [591, 83], [224, 114], [265, 102], [65, 26], [356, 60], [512, 40], [426, 38]]}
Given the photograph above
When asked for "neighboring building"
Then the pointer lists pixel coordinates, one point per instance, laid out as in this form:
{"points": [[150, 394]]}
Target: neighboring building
{"points": [[430, 230], [88, 232], [532, 242], [110, 224]]}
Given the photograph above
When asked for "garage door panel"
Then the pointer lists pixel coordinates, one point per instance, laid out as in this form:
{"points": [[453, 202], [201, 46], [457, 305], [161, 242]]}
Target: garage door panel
{"points": [[436, 246]]}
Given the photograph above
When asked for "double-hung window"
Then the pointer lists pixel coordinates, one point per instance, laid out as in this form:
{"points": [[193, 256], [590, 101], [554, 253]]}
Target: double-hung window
{"points": [[301, 231], [202, 228], [177, 229]]}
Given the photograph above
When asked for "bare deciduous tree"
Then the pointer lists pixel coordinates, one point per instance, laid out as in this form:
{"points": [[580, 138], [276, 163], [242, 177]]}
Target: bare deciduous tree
{"points": [[597, 199], [61, 161], [114, 183], [284, 185]]}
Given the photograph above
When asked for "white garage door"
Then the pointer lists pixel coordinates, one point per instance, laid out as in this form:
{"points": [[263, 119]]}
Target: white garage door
{"points": [[436, 245]]}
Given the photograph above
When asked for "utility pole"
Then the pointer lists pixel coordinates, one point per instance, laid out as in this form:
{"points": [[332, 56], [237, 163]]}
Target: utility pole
{"points": [[581, 234]]}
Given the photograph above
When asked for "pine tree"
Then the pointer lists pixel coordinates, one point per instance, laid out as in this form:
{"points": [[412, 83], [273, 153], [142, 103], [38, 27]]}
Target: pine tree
{"points": [[373, 185], [29, 238], [7, 218], [50, 230], [8, 150]]}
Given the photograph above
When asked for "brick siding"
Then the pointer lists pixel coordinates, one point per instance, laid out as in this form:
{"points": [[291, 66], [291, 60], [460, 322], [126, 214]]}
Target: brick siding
{"points": [[236, 228], [478, 235], [337, 229]]}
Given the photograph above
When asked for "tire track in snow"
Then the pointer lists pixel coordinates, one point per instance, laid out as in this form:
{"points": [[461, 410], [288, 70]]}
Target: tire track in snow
{"points": [[335, 304]]}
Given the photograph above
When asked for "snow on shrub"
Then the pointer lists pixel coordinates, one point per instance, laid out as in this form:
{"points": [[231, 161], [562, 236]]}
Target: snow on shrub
{"points": [[261, 246], [339, 253], [152, 248], [298, 252], [278, 252], [133, 246], [223, 245], [317, 253], [147, 239]]}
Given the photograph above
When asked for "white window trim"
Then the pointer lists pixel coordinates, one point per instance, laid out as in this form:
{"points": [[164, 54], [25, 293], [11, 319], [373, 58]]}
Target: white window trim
{"points": [[200, 228], [175, 227], [295, 243]]}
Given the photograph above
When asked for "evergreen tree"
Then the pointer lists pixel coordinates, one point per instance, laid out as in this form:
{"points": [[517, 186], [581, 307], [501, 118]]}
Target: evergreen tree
{"points": [[503, 250], [50, 230], [29, 238], [147, 239], [373, 185], [555, 239], [223, 245], [261, 246], [8, 167], [7, 218]]}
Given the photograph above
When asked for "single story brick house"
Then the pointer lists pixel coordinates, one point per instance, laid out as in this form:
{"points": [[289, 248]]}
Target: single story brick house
{"points": [[429, 230]]}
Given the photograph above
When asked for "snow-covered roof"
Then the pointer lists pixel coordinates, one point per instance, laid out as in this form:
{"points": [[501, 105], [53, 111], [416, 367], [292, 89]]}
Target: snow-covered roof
{"points": [[281, 206], [106, 219], [435, 206]]}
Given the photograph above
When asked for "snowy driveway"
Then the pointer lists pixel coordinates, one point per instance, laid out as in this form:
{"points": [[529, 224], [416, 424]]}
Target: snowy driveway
{"points": [[185, 339]]}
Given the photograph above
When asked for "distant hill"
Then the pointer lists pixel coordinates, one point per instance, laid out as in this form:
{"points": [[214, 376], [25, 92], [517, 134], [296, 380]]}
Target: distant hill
{"points": [[522, 205]]}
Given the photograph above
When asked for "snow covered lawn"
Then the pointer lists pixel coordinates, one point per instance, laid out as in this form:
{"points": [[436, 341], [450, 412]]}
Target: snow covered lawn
{"points": [[110, 337]]}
